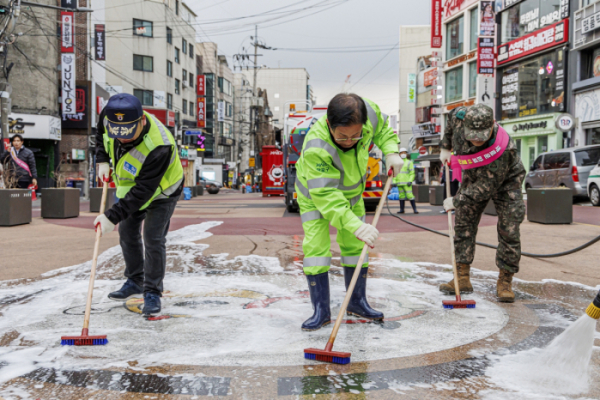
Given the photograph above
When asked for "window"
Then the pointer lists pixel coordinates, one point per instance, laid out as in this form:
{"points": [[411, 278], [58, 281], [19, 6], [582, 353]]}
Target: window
{"points": [[226, 129], [535, 86], [176, 55], [143, 63], [454, 84], [592, 136], [228, 109], [474, 14], [177, 117], [537, 164], [191, 108], [542, 142], [191, 50], [169, 35], [184, 46], [455, 38], [225, 86], [587, 157], [177, 7], [184, 76], [146, 97], [528, 16], [473, 79], [169, 68], [142, 28], [191, 80], [169, 101], [184, 107], [557, 161], [177, 84], [590, 63]]}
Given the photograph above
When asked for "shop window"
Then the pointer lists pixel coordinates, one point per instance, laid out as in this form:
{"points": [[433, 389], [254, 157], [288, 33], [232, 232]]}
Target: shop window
{"points": [[169, 101], [587, 158], [142, 28], [455, 38], [143, 63], [146, 97], [474, 34], [169, 35], [528, 16], [454, 85], [169, 68], [590, 63], [542, 142], [534, 87], [592, 136], [473, 79]]}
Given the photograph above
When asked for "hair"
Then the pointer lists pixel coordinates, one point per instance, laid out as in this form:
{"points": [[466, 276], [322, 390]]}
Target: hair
{"points": [[346, 109], [16, 136]]}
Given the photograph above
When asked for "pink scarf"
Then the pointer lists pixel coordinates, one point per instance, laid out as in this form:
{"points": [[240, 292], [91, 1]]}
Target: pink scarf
{"points": [[484, 157], [19, 162]]}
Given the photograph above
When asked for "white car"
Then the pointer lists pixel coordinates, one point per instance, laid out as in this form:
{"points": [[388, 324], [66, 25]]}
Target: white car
{"points": [[593, 186]]}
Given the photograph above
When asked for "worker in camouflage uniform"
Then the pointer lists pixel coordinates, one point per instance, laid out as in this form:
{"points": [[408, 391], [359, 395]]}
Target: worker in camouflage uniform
{"points": [[476, 140], [404, 180]]}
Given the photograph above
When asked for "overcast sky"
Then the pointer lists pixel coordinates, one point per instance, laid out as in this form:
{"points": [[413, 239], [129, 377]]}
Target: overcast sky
{"points": [[331, 26]]}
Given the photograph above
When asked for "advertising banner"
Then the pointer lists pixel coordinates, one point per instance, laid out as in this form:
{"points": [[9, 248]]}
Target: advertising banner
{"points": [[537, 41], [100, 42], [67, 32], [68, 87], [78, 119], [485, 91], [412, 87], [201, 85], [32, 126], [436, 24], [424, 130], [487, 23], [221, 111], [201, 112], [485, 56]]}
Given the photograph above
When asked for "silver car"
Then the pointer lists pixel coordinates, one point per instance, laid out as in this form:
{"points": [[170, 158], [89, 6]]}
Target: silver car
{"points": [[567, 167]]}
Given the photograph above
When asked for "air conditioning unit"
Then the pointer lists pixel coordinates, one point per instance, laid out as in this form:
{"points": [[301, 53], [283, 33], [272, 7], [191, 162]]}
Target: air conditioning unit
{"points": [[184, 84]]}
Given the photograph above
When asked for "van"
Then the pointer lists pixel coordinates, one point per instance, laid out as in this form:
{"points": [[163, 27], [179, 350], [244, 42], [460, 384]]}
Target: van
{"points": [[567, 167]]}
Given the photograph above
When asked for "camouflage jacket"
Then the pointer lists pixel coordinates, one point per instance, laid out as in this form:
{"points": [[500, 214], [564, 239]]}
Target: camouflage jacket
{"points": [[506, 174]]}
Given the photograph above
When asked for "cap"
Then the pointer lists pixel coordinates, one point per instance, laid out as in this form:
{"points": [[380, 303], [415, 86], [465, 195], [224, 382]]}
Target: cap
{"points": [[479, 121], [123, 115], [403, 150]]}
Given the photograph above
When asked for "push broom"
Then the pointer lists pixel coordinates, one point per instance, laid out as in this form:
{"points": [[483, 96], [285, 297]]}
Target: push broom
{"points": [[337, 357], [458, 303], [85, 339]]}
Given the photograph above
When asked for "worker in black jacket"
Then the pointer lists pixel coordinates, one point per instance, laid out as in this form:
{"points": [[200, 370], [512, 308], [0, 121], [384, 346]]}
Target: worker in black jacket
{"points": [[149, 178], [21, 163]]}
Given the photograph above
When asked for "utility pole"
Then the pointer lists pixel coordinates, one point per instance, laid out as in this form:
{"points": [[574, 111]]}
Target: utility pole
{"points": [[255, 59]]}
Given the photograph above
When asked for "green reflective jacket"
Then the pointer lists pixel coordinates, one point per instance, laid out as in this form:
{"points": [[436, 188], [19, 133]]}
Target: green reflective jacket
{"points": [[130, 165], [407, 173], [335, 180]]}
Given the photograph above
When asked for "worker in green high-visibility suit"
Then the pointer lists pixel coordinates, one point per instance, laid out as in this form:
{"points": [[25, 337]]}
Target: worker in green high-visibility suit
{"points": [[404, 181], [331, 176]]}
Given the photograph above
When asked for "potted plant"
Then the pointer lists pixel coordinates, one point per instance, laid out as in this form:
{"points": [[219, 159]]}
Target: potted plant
{"points": [[96, 198], [60, 202], [550, 204], [15, 204]]}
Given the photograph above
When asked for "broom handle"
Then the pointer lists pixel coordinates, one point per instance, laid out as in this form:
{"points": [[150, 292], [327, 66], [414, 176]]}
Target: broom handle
{"points": [[88, 305], [451, 235], [358, 268]]}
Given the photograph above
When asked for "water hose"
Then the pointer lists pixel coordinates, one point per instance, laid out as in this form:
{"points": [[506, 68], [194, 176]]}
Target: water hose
{"points": [[593, 309], [491, 246]]}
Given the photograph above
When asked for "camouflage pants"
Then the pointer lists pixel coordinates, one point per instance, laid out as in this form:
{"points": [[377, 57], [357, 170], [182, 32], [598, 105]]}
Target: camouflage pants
{"points": [[511, 212]]}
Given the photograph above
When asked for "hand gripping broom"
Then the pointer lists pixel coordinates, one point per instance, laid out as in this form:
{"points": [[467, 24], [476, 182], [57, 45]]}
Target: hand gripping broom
{"points": [[458, 303], [85, 339], [337, 357]]}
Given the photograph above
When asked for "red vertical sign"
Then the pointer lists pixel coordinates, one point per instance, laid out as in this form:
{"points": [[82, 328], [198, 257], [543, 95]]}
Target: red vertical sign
{"points": [[436, 24], [200, 85], [201, 112], [67, 32]]}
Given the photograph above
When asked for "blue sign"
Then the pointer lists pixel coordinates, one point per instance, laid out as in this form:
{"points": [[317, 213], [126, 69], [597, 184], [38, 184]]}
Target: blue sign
{"points": [[196, 132]]}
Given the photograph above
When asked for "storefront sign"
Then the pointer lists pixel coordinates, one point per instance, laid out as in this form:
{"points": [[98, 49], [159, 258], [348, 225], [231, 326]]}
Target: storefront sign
{"points": [[78, 119], [170, 118], [424, 130], [412, 88], [508, 3], [487, 24], [251, 162], [565, 122], [100, 42], [461, 59], [34, 126], [167, 117], [201, 112], [564, 9], [590, 23], [453, 7], [69, 4], [67, 31], [184, 162], [527, 126], [485, 56], [430, 76], [451, 107], [201, 85], [436, 24], [77, 154], [68, 83], [535, 42]]}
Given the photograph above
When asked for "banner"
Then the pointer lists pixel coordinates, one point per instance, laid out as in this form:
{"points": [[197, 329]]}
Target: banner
{"points": [[485, 91], [201, 85], [100, 42], [436, 24], [535, 42], [78, 119], [68, 88], [67, 31], [201, 112], [412, 88], [487, 24], [485, 56], [221, 111]]}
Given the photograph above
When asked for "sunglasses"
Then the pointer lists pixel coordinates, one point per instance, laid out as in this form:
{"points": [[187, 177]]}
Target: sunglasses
{"points": [[346, 139]]}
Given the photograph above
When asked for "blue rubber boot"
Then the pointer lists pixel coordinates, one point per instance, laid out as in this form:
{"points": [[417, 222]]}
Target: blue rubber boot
{"points": [[358, 305], [151, 304], [318, 286], [128, 290]]}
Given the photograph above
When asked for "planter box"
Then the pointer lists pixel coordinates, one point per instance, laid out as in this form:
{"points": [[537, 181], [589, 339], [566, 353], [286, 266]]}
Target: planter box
{"points": [[550, 206], [199, 190], [421, 193], [15, 207], [436, 195], [490, 209], [60, 203], [96, 198]]}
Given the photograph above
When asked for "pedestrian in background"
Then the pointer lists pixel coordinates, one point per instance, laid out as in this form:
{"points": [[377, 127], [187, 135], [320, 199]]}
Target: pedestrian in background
{"points": [[22, 163], [404, 181]]}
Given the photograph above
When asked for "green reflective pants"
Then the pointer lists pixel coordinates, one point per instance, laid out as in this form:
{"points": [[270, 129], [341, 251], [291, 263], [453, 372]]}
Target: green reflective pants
{"points": [[317, 243], [405, 192]]}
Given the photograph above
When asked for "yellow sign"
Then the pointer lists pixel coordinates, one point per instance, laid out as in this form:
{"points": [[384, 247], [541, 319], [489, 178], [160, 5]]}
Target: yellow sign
{"points": [[251, 162]]}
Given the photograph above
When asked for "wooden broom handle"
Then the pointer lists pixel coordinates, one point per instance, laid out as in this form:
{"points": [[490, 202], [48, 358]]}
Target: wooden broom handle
{"points": [[358, 268], [451, 235], [88, 305]]}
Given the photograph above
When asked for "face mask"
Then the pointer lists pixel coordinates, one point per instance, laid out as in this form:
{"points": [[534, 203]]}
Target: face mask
{"points": [[403, 155]]}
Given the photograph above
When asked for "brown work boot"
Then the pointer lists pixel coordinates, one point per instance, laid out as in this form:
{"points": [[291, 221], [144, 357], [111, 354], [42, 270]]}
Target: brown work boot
{"points": [[504, 290], [464, 281]]}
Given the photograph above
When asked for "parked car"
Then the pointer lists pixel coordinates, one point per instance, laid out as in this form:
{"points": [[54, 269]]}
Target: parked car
{"points": [[567, 167], [211, 187], [593, 186]]}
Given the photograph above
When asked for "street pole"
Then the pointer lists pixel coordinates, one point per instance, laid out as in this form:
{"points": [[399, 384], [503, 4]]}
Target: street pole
{"points": [[255, 59]]}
